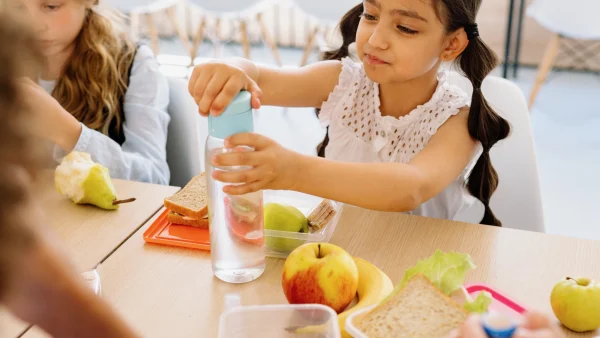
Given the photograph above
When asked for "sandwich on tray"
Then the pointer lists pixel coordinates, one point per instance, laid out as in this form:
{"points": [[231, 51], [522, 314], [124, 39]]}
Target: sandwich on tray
{"points": [[189, 206]]}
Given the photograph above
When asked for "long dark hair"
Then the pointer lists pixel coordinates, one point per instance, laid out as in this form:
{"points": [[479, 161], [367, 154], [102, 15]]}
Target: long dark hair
{"points": [[476, 62]]}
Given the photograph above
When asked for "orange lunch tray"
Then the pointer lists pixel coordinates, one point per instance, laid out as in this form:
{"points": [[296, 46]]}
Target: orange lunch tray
{"points": [[163, 232]]}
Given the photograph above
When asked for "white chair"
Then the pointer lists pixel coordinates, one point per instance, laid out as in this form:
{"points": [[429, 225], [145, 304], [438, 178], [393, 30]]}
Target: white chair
{"points": [[517, 202], [187, 134], [239, 11], [138, 8], [583, 24], [328, 14]]}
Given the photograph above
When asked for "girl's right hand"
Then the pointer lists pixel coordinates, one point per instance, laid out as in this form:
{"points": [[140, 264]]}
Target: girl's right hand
{"points": [[214, 84]]}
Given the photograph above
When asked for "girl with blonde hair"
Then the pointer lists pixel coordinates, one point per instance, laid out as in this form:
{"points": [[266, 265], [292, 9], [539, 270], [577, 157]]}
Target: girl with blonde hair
{"points": [[98, 92]]}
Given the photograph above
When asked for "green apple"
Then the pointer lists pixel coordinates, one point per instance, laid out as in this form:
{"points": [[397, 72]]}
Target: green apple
{"points": [[576, 303], [284, 218]]}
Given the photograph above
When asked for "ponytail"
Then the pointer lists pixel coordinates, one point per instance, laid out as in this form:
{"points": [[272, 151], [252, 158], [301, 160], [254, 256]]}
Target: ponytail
{"points": [[484, 125]]}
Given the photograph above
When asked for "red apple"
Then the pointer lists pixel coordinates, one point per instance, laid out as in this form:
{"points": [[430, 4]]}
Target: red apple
{"points": [[320, 273]]}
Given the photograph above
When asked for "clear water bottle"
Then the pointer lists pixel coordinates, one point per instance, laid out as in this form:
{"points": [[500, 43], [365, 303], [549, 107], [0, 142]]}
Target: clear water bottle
{"points": [[236, 222]]}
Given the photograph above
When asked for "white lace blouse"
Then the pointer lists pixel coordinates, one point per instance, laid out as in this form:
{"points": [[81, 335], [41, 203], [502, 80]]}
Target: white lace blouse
{"points": [[359, 133]]}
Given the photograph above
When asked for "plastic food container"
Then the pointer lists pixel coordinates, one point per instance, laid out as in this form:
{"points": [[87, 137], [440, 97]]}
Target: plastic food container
{"points": [[281, 243], [278, 244], [501, 304], [279, 321]]}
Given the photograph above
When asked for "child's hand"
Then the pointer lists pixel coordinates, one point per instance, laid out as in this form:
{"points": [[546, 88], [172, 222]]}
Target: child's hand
{"points": [[273, 166], [47, 118], [534, 325], [213, 85]]}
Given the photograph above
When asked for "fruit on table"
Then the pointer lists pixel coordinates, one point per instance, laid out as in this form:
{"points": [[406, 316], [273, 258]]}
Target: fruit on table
{"points": [[320, 273], [576, 303], [373, 287], [284, 218], [86, 182]]}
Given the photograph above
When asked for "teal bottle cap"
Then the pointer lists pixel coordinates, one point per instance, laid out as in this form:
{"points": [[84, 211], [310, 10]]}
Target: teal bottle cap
{"points": [[237, 118]]}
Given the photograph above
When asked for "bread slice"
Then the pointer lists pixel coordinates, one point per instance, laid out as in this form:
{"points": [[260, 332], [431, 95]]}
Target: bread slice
{"points": [[418, 310], [178, 219], [192, 200]]}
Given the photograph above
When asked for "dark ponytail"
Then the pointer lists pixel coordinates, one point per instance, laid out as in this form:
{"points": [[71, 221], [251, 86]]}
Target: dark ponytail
{"points": [[348, 27], [485, 126]]}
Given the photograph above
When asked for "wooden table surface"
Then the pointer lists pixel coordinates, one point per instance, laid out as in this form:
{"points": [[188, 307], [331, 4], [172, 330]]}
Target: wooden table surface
{"points": [[170, 292], [91, 234]]}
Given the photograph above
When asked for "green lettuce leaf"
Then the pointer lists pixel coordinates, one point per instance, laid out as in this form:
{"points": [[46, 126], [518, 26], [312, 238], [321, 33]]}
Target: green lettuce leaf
{"points": [[480, 304], [447, 271]]}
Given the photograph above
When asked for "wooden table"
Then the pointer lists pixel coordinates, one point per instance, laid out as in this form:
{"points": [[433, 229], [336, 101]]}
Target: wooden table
{"points": [[170, 292], [90, 234]]}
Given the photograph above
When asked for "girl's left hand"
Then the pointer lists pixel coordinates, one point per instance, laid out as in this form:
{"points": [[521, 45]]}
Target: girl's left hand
{"points": [[47, 118], [273, 166]]}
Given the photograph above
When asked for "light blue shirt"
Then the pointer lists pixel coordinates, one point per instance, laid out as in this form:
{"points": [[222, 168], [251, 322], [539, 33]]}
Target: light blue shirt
{"points": [[143, 155]]}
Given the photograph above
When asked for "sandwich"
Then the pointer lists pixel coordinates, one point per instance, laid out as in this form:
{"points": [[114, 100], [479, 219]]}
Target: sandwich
{"points": [[418, 310], [189, 206], [421, 305]]}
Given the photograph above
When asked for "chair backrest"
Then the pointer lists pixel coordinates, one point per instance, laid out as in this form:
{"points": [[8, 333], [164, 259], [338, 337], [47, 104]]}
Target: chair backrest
{"points": [[187, 134], [552, 14], [517, 202]]}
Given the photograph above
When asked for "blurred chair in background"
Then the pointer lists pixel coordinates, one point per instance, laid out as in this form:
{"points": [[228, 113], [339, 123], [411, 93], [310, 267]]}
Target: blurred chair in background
{"points": [[135, 9], [239, 11], [328, 14], [582, 24]]}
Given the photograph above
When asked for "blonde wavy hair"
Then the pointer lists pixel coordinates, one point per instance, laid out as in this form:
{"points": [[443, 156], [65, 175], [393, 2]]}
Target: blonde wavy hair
{"points": [[95, 79]]}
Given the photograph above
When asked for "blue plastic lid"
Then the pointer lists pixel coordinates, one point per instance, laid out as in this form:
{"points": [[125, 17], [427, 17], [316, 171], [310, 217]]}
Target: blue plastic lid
{"points": [[497, 326], [237, 118]]}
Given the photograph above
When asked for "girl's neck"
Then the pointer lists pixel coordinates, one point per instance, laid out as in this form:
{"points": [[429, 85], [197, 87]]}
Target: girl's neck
{"points": [[399, 99], [55, 63]]}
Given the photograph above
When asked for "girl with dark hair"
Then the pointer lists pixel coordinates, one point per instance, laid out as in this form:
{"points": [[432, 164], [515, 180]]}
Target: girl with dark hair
{"points": [[400, 136]]}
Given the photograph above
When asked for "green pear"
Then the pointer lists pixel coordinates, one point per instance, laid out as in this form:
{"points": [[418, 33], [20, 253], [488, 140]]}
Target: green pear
{"points": [[284, 218], [86, 182]]}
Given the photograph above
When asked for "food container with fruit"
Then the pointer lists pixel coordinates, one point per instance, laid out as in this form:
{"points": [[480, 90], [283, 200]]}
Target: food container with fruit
{"points": [[293, 218]]}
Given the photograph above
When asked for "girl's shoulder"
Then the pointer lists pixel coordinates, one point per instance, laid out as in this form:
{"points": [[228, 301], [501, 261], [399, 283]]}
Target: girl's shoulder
{"points": [[145, 59], [353, 84], [146, 82], [352, 71]]}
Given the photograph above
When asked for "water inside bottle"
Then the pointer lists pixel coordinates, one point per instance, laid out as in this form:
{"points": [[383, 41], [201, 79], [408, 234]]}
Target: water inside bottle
{"points": [[236, 229]]}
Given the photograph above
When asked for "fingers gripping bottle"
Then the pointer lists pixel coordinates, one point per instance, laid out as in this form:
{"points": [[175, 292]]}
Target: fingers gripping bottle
{"points": [[236, 222]]}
